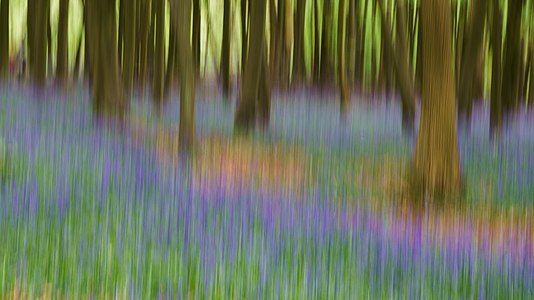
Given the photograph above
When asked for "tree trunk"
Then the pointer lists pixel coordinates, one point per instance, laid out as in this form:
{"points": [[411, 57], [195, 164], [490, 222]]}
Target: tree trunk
{"points": [[87, 68], [244, 35], [4, 39], [196, 36], [326, 44], [530, 102], [512, 57], [264, 93], [342, 76], [62, 69], [247, 110], [317, 43], [350, 45], [359, 51], [128, 64], [225, 49], [470, 59], [299, 64], [122, 16], [401, 63], [38, 20], [159, 63], [496, 69], [144, 42], [171, 61], [108, 94], [437, 166], [181, 20]]}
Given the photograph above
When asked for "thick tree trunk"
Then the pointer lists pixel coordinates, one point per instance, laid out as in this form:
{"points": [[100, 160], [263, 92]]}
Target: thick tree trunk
{"points": [[128, 64], [159, 59], [496, 69], [181, 20], [326, 44], [225, 50], [437, 166], [401, 63], [4, 39], [512, 57], [62, 69], [470, 59], [196, 36], [299, 64], [38, 20], [342, 76], [247, 110], [108, 94]]}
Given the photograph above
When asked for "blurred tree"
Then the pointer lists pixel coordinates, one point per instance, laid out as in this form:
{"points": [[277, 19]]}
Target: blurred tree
{"points": [[225, 49], [512, 57], [181, 21], [316, 43], [88, 72], [159, 66], [128, 42], [196, 35], [437, 166], [4, 39], [62, 69], [299, 63], [244, 35], [342, 76], [38, 20], [496, 68], [469, 60], [171, 60], [108, 93], [247, 110], [326, 44], [144, 43]]}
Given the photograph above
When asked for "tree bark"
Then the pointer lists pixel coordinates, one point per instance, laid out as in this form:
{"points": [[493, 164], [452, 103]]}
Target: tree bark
{"points": [[470, 59], [171, 61], [159, 63], [38, 20], [401, 63], [317, 43], [247, 110], [496, 69], [88, 72], [437, 166], [4, 39], [225, 49], [512, 57], [244, 35], [342, 76], [108, 93], [144, 42], [181, 20], [299, 64]]}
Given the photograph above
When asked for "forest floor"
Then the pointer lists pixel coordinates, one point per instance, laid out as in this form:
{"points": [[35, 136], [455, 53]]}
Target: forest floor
{"points": [[312, 208]]}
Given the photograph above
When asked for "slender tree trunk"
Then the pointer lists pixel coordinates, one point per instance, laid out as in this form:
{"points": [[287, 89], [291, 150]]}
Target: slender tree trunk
{"points": [[171, 61], [78, 58], [38, 33], [159, 64], [401, 63], [299, 64], [264, 93], [181, 20], [359, 51], [460, 40], [4, 39], [530, 102], [470, 59], [62, 69], [196, 36], [317, 43], [225, 49], [108, 94], [326, 44], [342, 76], [128, 65], [122, 16], [244, 35], [496, 69], [88, 72], [512, 57], [351, 41], [437, 166], [247, 110], [144, 42]]}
